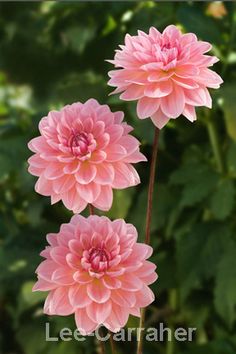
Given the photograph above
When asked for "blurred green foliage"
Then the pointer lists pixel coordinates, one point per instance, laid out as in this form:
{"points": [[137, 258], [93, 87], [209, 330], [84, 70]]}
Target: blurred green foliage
{"points": [[51, 54]]}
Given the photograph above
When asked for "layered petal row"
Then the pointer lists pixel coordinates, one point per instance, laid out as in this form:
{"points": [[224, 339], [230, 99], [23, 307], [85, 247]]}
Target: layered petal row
{"points": [[168, 73], [83, 152], [94, 268]]}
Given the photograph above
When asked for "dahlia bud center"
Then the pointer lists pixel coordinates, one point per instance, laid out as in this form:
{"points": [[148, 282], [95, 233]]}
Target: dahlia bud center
{"points": [[99, 259], [82, 145]]}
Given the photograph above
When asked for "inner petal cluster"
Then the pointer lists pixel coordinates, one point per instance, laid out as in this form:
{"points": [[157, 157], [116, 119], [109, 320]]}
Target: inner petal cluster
{"points": [[168, 73], [81, 144], [96, 260]]}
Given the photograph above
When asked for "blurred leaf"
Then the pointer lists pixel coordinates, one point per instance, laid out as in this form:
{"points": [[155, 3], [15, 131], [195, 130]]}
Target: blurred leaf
{"points": [[229, 108], [222, 200], [28, 298], [198, 182], [225, 290], [121, 204], [163, 201], [80, 87], [32, 338], [231, 159], [192, 18], [77, 37], [198, 254]]}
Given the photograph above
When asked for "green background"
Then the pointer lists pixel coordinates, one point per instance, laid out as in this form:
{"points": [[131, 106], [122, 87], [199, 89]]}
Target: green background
{"points": [[52, 54]]}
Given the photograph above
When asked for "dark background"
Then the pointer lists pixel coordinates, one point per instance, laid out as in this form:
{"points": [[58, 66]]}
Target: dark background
{"points": [[52, 54]]}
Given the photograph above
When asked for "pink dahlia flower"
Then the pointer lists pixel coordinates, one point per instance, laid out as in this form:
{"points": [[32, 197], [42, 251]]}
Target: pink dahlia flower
{"points": [[95, 269], [166, 72], [83, 152]]}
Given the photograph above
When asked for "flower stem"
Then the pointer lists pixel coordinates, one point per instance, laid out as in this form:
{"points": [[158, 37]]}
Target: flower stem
{"points": [[113, 350], [148, 225], [102, 349], [151, 186], [170, 346], [214, 139], [91, 209]]}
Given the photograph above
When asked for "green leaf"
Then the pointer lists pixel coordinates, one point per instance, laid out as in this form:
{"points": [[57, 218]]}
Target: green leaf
{"points": [[225, 289], [163, 201], [192, 18], [28, 298], [198, 182], [231, 159], [198, 253], [229, 108], [31, 337], [121, 204], [78, 37], [222, 200]]}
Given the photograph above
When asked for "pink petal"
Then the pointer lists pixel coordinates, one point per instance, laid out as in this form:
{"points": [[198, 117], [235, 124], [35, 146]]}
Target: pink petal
{"points": [[104, 200], [189, 113], [98, 292], [144, 297], [43, 186], [160, 89], [57, 303], [105, 174], [131, 282], [98, 156], [63, 276], [46, 269], [186, 70], [99, 312], [58, 255], [135, 311], [84, 324], [173, 105], [160, 119], [63, 184], [133, 92], [115, 152], [196, 97], [123, 298], [147, 106], [89, 192], [117, 319], [111, 283], [86, 173], [141, 252], [82, 277], [43, 285], [125, 176], [78, 296]]}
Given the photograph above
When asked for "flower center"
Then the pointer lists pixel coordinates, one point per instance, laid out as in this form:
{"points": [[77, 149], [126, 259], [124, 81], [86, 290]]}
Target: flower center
{"points": [[81, 145], [99, 259]]}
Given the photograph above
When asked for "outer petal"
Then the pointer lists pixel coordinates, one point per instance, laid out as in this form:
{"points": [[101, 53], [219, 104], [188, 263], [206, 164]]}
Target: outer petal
{"points": [[173, 105], [86, 173], [98, 292], [147, 106], [99, 312], [78, 296], [57, 303], [160, 119], [104, 200], [84, 324], [117, 319], [190, 113]]}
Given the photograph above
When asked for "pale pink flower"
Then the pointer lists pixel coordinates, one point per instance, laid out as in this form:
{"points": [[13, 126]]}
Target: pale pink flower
{"points": [[166, 72], [95, 269], [84, 151]]}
